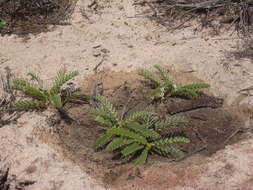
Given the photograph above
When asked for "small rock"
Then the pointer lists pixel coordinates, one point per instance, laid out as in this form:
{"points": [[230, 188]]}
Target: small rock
{"points": [[148, 37], [105, 51], [97, 46], [120, 7], [96, 54]]}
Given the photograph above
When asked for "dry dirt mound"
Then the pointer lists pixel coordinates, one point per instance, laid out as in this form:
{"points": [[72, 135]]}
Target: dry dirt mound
{"points": [[211, 127]]}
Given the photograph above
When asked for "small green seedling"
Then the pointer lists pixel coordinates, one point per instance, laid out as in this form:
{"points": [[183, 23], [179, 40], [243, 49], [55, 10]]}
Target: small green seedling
{"points": [[2, 24], [42, 98], [138, 134], [164, 87]]}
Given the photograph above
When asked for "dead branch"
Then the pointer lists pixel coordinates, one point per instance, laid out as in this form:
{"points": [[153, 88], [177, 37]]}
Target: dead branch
{"points": [[125, 109], [170, 12], [6, 95], [97, 91], [187, 155], [99, 64], [239, 130]]}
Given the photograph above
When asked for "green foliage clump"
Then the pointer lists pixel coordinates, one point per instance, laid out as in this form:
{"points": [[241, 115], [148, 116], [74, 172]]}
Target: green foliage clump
{"points": [[138, 134], [44, 98], [164, 87], [2, 24]]}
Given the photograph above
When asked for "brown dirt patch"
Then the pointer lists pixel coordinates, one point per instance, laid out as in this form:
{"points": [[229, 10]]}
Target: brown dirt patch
{"points": [[210, 124]]}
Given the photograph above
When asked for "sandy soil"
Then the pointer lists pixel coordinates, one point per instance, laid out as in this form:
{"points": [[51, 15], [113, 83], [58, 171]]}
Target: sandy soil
{"points": [[116, 38]]}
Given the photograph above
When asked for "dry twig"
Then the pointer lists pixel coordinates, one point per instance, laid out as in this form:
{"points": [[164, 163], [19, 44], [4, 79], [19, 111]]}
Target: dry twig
{"points": [[170, 12], [7, 96]]}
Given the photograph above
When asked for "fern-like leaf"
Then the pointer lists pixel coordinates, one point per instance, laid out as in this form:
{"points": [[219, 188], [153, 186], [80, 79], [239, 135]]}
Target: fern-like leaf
{"points": [[103, 139], [118, 143], [168, 87], [158, 92], [196, 86], [19, 84], [190, 91], [167, 83], [107, 107], [169, 122], [56, 101], [23, 105], [148, 75], [131, 149], [185, 93], [138, 115], [175, 151], [101, 113], [150, 119], [164, 87], [103, 121], [35, 77], [143, 130], [169, 150], [162, 72], [62, 78], [165, 146], [128, 134], [28, 89], [143, 157], [52, 96], [171, 140], [137, 133]]}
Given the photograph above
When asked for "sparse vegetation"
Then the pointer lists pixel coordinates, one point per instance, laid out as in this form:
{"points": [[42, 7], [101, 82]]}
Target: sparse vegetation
{"points": [[26, 16], [134, 136], [138, 134], [42, 98], [163, 87], [215, 14]]}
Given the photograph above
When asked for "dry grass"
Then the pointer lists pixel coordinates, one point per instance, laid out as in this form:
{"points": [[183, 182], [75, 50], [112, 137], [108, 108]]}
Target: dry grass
{"points": [[244, 49], [33, 16], [217, 15], [176, 14]]}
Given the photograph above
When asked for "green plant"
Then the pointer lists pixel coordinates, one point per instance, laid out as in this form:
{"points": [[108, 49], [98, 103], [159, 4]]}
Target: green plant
{"points": [[42, 98], [164, 87], [138, 134], [2, 24]]}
